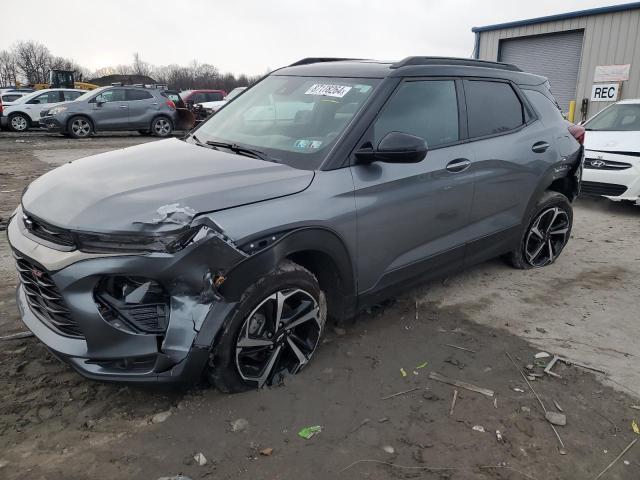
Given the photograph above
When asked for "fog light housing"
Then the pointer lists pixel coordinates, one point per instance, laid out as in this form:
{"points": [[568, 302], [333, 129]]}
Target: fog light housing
{"points": [[133, 304]]}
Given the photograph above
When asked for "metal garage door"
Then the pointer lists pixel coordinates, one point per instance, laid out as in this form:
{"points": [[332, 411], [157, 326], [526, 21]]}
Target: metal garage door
{"points": [[555, 56]]}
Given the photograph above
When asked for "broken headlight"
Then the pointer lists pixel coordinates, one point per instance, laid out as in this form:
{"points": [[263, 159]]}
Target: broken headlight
{"points": [[132, 243]]}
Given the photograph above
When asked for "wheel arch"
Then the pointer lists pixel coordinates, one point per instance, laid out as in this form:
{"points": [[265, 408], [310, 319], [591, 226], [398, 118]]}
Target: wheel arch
{"points": [[319, 250]]}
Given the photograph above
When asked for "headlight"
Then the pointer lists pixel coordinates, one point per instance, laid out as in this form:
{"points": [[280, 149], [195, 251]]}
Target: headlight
{"points": [[112, 243], [57, 110]]}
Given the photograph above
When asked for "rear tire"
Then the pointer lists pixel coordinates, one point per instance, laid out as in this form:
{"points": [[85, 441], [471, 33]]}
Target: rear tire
{"points": [[261, 342], [547, 233], [19, 122], [161, 127], [79, 127]]}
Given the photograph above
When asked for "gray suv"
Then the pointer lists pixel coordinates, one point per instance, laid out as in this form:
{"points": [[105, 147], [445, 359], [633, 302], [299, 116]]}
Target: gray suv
{"points": [[147, 110], [327, 186]]}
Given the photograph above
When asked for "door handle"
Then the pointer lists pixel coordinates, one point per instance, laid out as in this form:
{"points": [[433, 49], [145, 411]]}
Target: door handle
{"points": [[458, 165], [540, 147], [123, 106]]}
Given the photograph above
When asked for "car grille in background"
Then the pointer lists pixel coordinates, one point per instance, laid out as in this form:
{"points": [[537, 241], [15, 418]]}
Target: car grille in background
{"points": [[597, 188], [45, 231], [599, 164], [44, 299]]}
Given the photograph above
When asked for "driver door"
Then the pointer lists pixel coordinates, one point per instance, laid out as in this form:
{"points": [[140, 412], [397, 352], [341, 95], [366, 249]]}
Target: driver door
{"points": [[110, 110], [413, 218]]}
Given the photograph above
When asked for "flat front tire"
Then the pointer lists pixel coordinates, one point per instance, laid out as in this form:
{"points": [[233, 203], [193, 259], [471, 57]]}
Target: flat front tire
{"points": [[547, 233], [274, 331]]}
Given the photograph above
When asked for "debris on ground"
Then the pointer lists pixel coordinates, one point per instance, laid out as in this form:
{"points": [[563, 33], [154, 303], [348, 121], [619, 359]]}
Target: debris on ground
{"points": [[308, 432], [457, 383], [628, 447], [383, 419], [499, 437], [161, 417], [422, 365], [389, 449], [362, 424], [177, 477], [266, 452], [17, 336], [634, 427], [635, 407], [519, 390], [461, 348], [556, 418], [478, 428], [400, 393], [542, 355], [453, 402], [341, 332], [403, 372], [239, 425], [200, 459]]}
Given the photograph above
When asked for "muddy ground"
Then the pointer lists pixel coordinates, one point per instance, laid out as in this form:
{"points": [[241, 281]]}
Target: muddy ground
{"points": [[54, 424]]}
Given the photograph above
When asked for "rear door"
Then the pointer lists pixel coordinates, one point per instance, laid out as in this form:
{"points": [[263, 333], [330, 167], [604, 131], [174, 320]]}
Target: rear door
{"points": [[142, 105], [113, 114], [510, 158], [412, 217]]}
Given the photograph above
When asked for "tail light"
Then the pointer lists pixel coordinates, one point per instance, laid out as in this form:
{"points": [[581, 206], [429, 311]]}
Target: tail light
{"points": [[171, 105], [578, 133]]}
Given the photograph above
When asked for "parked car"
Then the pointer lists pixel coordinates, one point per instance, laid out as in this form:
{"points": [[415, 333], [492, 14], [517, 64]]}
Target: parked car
{"points": [[9, 97], [212, 107], [612, 143], [224, 252], [202, 95], [146, 110], [24, 112]]}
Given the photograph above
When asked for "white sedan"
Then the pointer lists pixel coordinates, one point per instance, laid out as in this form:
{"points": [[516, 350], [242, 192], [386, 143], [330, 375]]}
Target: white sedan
{"points": [[612, 153], [212, 107], [24, 112]]}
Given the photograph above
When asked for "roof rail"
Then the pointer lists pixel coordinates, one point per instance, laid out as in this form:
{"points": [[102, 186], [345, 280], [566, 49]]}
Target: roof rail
{"points": [[309, 60], [454, 61]]}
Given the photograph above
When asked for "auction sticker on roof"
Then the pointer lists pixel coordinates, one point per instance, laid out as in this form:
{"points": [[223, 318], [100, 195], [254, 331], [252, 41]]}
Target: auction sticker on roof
{"points": [[328, 90]]}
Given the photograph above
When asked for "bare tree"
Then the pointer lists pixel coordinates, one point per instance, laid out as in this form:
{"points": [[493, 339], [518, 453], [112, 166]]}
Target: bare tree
{"points": [[8, 68], [33, 60], [139, 66]]}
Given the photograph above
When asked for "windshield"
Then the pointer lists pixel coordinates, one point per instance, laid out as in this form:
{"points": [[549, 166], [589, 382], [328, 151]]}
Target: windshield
{"points": [[623, 117], [294, 120], [235, 92]]}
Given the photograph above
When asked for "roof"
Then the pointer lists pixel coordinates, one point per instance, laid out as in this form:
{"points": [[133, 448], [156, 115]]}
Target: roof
{"points": [[560, 16], [409, 67]]}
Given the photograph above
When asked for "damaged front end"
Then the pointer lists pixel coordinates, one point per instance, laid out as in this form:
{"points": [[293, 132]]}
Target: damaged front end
{"points": [[141, 306]]}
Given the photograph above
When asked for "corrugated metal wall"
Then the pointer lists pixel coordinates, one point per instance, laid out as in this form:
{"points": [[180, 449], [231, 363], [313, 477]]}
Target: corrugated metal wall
{"points": [[610, 38]]}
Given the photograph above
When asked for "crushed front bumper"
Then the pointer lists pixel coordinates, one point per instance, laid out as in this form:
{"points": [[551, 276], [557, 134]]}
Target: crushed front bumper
{"points": [[96, 347]]}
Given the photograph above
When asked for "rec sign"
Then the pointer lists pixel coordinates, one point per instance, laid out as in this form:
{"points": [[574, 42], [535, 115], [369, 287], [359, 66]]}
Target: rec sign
{"points": [[605, 92]]}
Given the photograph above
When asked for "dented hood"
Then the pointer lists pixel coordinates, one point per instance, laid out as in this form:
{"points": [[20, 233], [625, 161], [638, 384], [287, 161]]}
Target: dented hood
{"points": [[141, 187]]}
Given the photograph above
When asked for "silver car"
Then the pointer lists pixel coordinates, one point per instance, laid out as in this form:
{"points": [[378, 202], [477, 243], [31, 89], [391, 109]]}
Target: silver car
{"points": [[146, 110]]}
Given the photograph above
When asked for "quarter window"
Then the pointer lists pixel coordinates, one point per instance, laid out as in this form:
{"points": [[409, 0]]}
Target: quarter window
{"points": [[492, 108], [427, 109], [138, 95]]}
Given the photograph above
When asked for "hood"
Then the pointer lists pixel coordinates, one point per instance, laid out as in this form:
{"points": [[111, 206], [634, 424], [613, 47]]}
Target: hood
{"points": [[604, 141], [139, 187]]}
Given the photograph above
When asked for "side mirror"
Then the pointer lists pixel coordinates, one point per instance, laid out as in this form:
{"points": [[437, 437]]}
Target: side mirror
{"points": [[100, 101], [395, 147]]}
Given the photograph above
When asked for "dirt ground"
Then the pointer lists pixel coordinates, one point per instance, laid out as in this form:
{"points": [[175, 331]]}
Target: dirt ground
{"points": [[54, 424]]}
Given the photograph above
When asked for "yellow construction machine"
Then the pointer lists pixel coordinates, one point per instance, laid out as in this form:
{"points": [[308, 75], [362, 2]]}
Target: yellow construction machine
{"points": [[62, 79]]}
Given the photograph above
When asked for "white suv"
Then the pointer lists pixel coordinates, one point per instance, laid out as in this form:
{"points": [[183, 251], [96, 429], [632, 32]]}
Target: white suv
{"points": [[24, 112], [612, 153]]}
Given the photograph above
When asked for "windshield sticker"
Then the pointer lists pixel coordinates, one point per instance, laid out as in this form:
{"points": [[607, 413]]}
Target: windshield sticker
{"points": [[312, 144], [338, 91]]}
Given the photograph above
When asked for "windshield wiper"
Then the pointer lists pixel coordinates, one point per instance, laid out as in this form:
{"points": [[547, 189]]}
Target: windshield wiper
{"points": [[239, 150]]}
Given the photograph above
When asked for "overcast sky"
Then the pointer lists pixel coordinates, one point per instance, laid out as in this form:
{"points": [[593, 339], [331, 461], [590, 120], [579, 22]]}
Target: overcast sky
{"points": [[250, 36]]}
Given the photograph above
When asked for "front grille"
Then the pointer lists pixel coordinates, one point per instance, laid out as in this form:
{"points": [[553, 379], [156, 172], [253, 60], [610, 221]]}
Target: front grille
{"points": [[48, 232], [44, 299], [599, 164], [598, 189]]}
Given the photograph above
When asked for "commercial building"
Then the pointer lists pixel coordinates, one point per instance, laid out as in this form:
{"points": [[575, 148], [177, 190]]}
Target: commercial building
{"points": [[591, 57]]}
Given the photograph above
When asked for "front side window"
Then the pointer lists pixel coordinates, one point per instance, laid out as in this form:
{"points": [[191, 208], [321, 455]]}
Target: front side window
{"points": [[427, 109], [49, 97], [623, 117], [295, 120], [114, 95], [492, 108]]}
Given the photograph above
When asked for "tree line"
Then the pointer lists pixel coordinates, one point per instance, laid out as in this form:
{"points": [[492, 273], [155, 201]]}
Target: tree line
{"points": [[29, 62]]}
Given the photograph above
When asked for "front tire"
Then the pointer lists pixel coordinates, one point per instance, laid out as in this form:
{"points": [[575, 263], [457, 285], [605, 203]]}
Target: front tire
{"points": [[547, 233], [274, 331], [161, 127], [19, 122], [79, 127]]}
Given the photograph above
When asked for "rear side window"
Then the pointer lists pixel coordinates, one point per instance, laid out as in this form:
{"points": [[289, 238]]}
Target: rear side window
{"points": [[427, 109], [138, 95], [69, 95], [10, 98], [492, 108]]}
